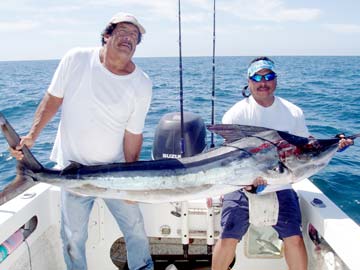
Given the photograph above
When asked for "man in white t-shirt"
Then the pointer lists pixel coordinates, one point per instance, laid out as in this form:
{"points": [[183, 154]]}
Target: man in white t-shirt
{"points": [[104, 98], [262, 108]]}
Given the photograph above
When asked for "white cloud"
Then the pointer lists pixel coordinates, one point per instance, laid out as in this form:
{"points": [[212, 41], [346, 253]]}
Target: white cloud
{"points": [[269, 10], [194, 18], [17, 26], [160, 10], [264, 28], [343, 28], [299, 15], [153, 9]]}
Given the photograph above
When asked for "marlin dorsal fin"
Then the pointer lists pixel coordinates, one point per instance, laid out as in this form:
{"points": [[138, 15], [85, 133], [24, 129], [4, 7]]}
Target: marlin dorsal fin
{"points": [[231, 132]]}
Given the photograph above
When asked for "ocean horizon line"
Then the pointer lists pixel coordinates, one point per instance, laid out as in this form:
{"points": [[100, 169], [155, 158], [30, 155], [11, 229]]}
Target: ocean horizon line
{"points": [[192, 56]]}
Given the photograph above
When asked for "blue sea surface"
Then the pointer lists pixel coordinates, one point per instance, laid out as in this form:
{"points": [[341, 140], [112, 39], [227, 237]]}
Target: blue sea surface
{"points": [[326, 88]]}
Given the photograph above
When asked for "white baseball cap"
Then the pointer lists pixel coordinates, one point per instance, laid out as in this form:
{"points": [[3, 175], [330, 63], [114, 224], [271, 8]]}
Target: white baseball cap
{"points": [[127, 17], [259, 65]]}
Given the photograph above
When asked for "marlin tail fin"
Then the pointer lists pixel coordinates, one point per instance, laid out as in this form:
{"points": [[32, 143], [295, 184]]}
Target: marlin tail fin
{"points": [[13, 139]]}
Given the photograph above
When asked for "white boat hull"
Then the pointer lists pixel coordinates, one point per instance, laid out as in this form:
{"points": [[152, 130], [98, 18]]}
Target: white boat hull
{"points": [[42, 249]]}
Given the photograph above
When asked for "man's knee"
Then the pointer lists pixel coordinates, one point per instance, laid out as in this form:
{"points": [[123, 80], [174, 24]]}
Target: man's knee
{"points": [[294, 242], [225, 248]]}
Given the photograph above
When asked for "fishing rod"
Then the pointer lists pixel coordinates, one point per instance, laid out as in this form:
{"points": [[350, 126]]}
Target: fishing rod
{"points": [[182, 140], [213, 80]]}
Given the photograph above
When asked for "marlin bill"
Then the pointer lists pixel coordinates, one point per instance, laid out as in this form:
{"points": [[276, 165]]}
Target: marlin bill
{"points": [[248, 152]]}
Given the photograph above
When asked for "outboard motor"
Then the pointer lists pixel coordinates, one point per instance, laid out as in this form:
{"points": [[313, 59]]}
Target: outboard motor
{"points": [[167, 144], [168, 134]]}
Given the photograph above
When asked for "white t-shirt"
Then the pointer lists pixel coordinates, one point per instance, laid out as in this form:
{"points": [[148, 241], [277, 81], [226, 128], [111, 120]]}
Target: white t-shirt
{"points": [[282, 115], [98, 106]]}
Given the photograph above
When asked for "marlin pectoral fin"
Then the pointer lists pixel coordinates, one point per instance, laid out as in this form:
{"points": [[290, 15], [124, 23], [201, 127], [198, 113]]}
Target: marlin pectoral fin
{"points": [[293, 139], [231, 132]]}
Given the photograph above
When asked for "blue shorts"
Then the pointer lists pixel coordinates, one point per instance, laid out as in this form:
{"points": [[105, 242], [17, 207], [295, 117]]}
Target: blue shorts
{"points": [[235, 215]]}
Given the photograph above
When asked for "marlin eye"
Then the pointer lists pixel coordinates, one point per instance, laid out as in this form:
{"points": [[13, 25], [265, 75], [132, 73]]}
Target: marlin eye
{"points": [[280, 168]]}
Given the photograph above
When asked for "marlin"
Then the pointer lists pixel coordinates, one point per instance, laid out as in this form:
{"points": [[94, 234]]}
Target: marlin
{"points": [[248, 152]]}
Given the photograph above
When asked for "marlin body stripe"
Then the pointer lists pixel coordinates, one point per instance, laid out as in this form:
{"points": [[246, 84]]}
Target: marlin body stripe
{"points": [[248, 152]]}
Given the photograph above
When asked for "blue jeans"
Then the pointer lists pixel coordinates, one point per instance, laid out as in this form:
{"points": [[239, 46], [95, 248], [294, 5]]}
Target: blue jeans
{"points": [[75, 213]]}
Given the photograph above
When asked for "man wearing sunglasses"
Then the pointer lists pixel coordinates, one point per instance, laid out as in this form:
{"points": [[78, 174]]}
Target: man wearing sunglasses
{"points": [[279, 209], [262, 108]]}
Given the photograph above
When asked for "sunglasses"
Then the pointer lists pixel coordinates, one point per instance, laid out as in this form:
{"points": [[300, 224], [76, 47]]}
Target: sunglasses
{"points": [[268, 77]]}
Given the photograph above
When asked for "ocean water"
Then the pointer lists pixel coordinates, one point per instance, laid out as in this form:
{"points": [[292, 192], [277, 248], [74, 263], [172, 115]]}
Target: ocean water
{"points": [[326, 88]]}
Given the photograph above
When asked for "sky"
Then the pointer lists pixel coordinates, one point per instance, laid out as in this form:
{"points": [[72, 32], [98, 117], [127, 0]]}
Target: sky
{"points": [[47, 29]]}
